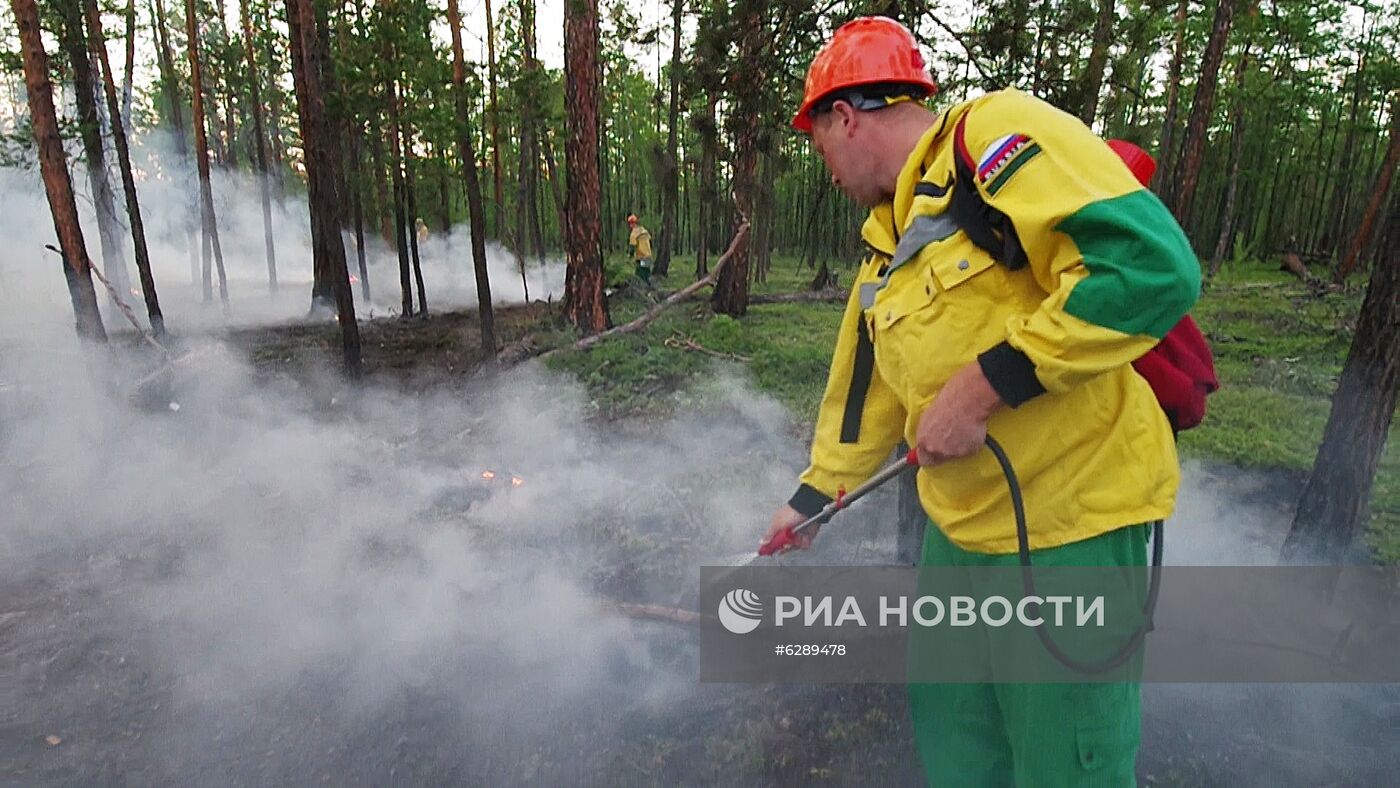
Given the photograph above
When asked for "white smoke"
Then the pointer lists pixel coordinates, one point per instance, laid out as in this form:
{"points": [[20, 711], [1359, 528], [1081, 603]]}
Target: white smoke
{"points": [[33, 293]]}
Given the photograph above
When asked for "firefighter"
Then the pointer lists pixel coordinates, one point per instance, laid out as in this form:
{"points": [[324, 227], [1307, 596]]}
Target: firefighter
{"points": [[1016, 268], [640, 242]]}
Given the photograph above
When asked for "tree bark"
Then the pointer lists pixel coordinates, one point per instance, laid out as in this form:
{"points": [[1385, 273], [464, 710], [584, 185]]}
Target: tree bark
{"points": [[529, 130], [708, 144], [357, 208], [1161, 181], [554, 180], [97, 41], [495, 117], [322, 179], [208, 224], [670, 170], [411, 203], [400, 225], [1188, 169], [259, 146], [731, 295], [1098, 57], [1361, 237], [1341, 196], [1227, 214], [584, 302], [129, 71], [86, 93], [53, 168], [485, 315], [383, 202], [1335, 502]]}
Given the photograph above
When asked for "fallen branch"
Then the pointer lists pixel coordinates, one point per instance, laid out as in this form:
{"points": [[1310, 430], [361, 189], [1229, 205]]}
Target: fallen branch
{"points": [[671, 615], [680, 341], [121, 304], [829, 295], [675, 298]]}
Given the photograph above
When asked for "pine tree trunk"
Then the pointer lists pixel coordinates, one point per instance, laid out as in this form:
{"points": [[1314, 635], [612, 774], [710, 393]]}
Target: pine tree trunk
{"points": [[731, 296], [411, 203], [276, 144], [53, 168], [357, 208], [1341, 196], [86, 93], [495, 117], [259, 147], [1362, 235], [323, 182], [1162, 182], [98, 42], [670, 171], [383, 204], [1227, 214], [485, 313], [1188, 169], [554, 188], [707, 187], [400, 225], [529, 132], [208, 223], [584, 302], [129, 71], [522, 193], [1334, 507], [1098, 57]]}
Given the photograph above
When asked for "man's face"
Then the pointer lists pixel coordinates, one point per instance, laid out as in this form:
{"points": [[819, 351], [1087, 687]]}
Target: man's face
{"points": [[838, 137]]}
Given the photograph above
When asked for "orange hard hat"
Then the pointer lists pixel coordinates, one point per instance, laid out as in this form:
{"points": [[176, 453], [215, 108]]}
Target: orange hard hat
{"points": [[871, 50], [1138, 160]]}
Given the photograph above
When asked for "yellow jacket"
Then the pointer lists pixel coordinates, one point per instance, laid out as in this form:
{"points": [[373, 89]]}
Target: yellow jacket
{"points": [[640, 240], [1109, 273]]}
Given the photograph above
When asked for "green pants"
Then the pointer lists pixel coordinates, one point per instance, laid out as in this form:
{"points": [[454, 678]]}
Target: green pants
{"points": [[644, 269], [1031, 734]]}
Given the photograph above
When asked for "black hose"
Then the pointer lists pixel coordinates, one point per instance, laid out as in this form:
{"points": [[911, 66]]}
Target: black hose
{"points": [[1027, 581]]}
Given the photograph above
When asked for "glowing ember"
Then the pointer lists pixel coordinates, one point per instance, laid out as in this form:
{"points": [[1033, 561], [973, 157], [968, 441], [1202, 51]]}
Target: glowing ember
{"points": [[135, 292], [488, 475], [516, 481], [354, 280]]}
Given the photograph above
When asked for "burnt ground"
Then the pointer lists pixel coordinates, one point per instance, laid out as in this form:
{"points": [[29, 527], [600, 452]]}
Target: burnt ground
{"points": [[90, 697]]}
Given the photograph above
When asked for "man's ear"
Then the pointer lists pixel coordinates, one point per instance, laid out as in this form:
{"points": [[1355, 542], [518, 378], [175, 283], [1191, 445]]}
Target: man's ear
{"points": [[845, 114]]}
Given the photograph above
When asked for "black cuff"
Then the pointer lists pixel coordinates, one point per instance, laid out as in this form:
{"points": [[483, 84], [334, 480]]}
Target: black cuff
{"points": [[808, 501], [1011, 373]]}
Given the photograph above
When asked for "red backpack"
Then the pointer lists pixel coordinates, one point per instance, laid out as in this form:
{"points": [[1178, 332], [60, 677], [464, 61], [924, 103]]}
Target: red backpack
{"points": [[1180, 369]]}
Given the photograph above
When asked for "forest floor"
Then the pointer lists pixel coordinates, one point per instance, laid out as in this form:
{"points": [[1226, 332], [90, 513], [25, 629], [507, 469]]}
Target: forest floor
{"points": [[101, 700]]}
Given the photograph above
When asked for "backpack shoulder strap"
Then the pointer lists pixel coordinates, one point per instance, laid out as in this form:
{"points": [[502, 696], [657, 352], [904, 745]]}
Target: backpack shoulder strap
{"points": [[988, 228]]}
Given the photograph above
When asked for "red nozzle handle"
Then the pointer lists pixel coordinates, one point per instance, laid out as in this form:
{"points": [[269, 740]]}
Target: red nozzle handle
{"points": [[780, 540], [912, 458]]}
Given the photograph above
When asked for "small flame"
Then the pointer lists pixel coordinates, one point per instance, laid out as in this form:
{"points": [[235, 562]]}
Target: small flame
{"points": [[354, 280], [135, 292], [516, 481], [488, 475]]}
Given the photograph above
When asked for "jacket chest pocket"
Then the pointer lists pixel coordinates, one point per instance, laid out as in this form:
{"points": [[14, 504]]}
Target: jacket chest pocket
{"points": [[943, 314]]}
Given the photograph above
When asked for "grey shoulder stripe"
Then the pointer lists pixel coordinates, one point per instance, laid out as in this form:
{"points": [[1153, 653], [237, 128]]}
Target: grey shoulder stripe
{"points": [[924, 230]]}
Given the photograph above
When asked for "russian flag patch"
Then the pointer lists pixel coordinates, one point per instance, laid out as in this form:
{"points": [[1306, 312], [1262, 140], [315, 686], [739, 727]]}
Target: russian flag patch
{"points": [[1002, 158]]}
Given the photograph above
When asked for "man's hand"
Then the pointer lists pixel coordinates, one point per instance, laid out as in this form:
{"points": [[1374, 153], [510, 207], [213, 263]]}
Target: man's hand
{"points": [[788, 517], [955, 424]]}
